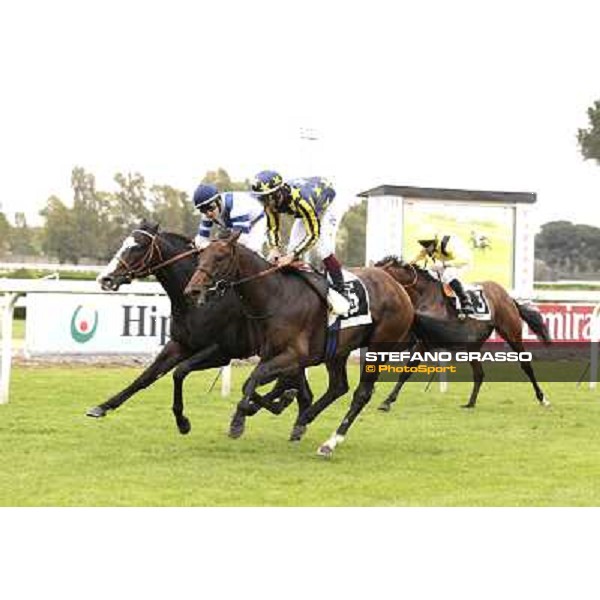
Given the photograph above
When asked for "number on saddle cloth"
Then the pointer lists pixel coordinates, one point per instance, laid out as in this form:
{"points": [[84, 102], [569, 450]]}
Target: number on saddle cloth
{"points": [[478, 300], [358, 296]]}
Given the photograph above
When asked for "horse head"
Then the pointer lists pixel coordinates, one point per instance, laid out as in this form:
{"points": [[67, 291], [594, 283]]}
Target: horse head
{"points": [[218, 262], [144, 251], [403, 272]]}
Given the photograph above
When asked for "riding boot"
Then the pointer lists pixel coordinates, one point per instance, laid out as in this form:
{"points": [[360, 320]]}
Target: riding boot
{"points": [[466, 306], [334, 268]]}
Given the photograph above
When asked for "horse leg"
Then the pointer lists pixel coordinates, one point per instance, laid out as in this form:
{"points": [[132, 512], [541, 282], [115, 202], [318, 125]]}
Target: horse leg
{"points": [[172, 354], [478, 376], [205, 359], [305, 395], [338, 386], [286, 389], [284, 364], [517, 346], [360, 399], [386, 405]]}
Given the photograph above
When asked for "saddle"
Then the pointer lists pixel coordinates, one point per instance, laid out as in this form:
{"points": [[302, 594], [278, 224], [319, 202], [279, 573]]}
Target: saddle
{"points": [[359, 312], [316, 280]]}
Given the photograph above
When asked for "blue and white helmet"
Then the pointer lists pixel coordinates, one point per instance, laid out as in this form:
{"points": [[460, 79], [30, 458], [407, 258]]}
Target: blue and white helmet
{"points": [[205, 194]]}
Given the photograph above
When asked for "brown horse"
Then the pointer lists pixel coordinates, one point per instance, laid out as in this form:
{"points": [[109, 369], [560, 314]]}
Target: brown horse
{"points": [[439, 327], [292, 318]]}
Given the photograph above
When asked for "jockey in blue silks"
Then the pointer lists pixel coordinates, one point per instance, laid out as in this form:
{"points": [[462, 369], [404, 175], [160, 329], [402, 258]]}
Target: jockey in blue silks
{"points": [[232, 210]]}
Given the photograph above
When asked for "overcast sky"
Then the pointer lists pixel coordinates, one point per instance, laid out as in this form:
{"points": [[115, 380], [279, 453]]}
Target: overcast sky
{"points": [[482, 95]]}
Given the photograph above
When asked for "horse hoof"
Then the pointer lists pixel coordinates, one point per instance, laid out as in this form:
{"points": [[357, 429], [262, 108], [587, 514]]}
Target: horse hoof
{"points": [[184, 426], [384, 407], [545, 402], [237, 426], [289, 395], [96, 412], [297, 433], [467, 406], [325, 451], [236, 432]]}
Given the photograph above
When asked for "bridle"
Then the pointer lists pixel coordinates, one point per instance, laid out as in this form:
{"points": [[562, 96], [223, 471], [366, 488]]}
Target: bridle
{"points": [[412, 267], [140, 268], [221, 285]]}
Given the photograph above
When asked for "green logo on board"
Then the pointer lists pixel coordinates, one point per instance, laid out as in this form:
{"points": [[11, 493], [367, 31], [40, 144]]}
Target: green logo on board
{"points": [[83, 324]]}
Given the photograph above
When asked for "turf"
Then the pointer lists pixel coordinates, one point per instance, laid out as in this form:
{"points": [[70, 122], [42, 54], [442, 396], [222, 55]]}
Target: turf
{"points": [[427, 451]]}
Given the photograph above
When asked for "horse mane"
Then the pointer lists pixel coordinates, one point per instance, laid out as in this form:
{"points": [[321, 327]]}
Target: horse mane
{"points": [[154, 228], [243, 248], [393, 260], [179, 236]]}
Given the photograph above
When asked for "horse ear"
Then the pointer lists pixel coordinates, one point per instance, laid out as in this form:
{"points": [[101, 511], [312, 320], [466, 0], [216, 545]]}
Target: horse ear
{"points": [[149, 226], [233, 238]]}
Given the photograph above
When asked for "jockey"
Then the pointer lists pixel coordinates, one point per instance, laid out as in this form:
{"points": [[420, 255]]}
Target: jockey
{"points": [[229, 210], [309, 202], [449, 256]]}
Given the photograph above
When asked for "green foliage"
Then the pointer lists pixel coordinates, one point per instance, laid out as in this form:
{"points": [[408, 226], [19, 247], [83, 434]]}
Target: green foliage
{"points": [[569, 249], [99, 220], [427, 452], [5, 231], [60, 235], [21, 237], [173, 210], [220, 178], [351, 237], [589, 139], [34, 273]]}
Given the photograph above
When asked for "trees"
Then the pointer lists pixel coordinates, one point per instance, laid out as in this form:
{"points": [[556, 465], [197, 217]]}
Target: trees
{"points": [[589, 139], [351, 237], [60, 234], [21, 237], [220, 178], [569, 249], [5, 231], [99, 220], [171, 208]]}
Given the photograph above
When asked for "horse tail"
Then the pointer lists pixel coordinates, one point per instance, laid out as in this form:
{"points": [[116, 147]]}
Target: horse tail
{"points": [[533, 318]]}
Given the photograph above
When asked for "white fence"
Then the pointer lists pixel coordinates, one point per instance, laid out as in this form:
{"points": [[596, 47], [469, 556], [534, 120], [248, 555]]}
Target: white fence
{"points": [[77, 317]]}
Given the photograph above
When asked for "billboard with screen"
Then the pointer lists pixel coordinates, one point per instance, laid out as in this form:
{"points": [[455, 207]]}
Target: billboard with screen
{"points": [[488, 230]]}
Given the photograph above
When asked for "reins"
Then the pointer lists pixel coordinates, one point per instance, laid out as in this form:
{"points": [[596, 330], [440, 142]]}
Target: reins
{"points": [[221, 286], [140, 269], [391, 263]]}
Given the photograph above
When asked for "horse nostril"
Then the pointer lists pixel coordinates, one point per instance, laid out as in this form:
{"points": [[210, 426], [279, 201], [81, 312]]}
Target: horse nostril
{"points": [[106, 283]]}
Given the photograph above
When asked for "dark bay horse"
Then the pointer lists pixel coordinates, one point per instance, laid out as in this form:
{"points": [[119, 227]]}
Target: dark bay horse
{"points": [[437, 323], [293, 325], [200, 337]]}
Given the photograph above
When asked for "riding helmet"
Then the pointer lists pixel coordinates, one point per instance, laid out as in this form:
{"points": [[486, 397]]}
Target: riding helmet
{"points": [[266, 182], [205, 194]]}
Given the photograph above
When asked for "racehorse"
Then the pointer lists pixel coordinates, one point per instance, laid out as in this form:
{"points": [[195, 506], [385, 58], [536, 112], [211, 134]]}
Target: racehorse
{"points": [[200, 337], [293, 321], [438, 325]]}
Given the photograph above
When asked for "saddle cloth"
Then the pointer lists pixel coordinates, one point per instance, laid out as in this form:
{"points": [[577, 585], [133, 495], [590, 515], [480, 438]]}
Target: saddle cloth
{"points": [[481, 306], [356, 292], [358, 296]]}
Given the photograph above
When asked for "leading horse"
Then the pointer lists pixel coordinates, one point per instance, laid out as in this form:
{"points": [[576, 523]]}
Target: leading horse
{"points": [[292, 325], [200, 337], [439, 327]]}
